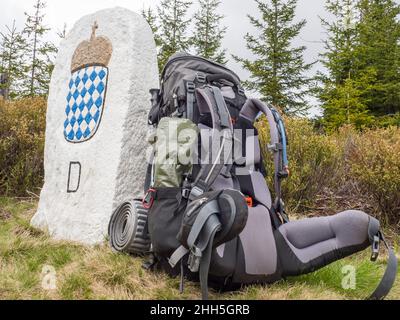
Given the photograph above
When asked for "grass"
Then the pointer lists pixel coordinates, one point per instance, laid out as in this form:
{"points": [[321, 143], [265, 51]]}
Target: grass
{"points": [[28, 257]]}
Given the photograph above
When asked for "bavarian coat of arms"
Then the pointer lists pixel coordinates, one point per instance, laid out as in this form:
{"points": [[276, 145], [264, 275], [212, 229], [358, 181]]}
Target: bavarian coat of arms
{"points": [[87, 88]]}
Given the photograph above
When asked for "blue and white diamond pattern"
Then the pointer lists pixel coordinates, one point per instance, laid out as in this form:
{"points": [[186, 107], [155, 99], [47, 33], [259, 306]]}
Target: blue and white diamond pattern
{"points": [[85, 103]]}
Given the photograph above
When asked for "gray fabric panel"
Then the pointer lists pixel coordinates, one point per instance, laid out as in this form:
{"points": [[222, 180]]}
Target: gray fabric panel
{"points": [[258, 243], [222, 183], [261, 191], [311, 238], [253, 152], [228, 92]]}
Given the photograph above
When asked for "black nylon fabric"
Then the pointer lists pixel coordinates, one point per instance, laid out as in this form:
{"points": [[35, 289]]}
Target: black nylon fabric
{"points": [[183, 68], [165, 218]]}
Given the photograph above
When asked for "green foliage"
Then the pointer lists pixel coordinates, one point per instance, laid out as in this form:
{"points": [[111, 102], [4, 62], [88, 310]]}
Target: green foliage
{"points": [[22, 126], [208, 35], [346, 169], [314, 160], [362, 61], [173, 28], [38, 52], [12, 57], [378, 47], [345, 103], [152, 20], [375, 164], [278, 72]]}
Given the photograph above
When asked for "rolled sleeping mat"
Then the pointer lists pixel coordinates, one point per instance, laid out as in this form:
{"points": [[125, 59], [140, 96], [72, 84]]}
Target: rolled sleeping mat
{"points": [[128, 229]]}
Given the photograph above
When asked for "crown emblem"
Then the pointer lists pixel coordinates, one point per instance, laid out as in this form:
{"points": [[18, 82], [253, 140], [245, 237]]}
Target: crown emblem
{"points": [[96, 51]]}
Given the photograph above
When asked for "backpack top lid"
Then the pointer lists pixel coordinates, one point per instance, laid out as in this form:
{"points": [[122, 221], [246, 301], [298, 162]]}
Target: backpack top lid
{"points": [[187, 66]]}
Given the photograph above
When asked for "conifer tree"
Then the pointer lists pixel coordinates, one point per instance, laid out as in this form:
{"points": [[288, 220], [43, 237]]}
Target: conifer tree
{"points": [[208, 34], [11, 56], [152, 20], [378, 47], [173, 28], [39, 53], [279, 72], [342, 89]]}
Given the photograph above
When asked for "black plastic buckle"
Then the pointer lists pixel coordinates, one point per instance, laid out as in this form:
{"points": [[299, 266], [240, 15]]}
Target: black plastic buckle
{"points": [[190, 87], [185, 193], [148, 199], [201, 77], [241, 91], [375, 248]]}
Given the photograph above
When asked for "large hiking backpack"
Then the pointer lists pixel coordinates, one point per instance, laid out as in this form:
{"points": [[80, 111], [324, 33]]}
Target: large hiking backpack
{"points": [[213, 219]]}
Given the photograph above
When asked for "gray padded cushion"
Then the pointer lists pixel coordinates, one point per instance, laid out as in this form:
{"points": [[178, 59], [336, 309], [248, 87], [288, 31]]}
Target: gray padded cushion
{"points": [[261, 191], [222, 183], [258, 243], [311, 238]]}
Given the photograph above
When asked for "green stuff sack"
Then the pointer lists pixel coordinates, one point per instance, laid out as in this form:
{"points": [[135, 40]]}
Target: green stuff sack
{"points": [[175, 148]]}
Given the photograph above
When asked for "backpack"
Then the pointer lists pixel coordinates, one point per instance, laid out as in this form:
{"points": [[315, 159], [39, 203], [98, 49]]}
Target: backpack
{"points": [[213, 219]]}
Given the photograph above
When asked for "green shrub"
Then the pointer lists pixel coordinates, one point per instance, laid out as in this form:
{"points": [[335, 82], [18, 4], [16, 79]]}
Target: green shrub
{"points": [[346, 169], [22, 126], [315, 163], [375, 164]]}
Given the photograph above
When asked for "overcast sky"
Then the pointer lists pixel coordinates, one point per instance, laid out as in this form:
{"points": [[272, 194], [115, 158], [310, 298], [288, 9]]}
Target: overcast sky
{"points": [[235, 11]]}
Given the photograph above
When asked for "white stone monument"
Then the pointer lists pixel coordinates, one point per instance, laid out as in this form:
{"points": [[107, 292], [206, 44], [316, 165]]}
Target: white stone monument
{"points": [[97, 124]]}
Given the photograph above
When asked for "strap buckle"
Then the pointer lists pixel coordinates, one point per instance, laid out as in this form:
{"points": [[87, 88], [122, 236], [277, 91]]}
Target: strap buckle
{"points": [[190, 87], [148, 199], [201, 77], [195, 192], [185, 193], [375, 248], [241, 91], [194, 259], [275, 147]]}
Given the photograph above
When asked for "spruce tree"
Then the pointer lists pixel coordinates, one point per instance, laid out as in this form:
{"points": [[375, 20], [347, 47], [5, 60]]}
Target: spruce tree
{"points": [[11, 56], [279, 71], [208, 33], [378, 48], [173, 28], [39, 53], [339, 55], [343, 85], [152, 20]]}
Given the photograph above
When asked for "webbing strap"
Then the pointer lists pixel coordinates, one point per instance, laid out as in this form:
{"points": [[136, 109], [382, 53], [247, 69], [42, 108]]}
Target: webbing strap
{"points": [[205, 265], [201, 219], [387, 281], [388, 278], [210, 99], [190, 88], [177, 256]]}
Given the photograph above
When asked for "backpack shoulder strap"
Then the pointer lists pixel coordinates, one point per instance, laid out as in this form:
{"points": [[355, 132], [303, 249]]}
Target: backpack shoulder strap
{"points": [[210, 100], [250, 111]]}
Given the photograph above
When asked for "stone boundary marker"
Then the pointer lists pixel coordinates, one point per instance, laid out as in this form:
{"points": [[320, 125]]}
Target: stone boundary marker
{"points": [[97, 124]]}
